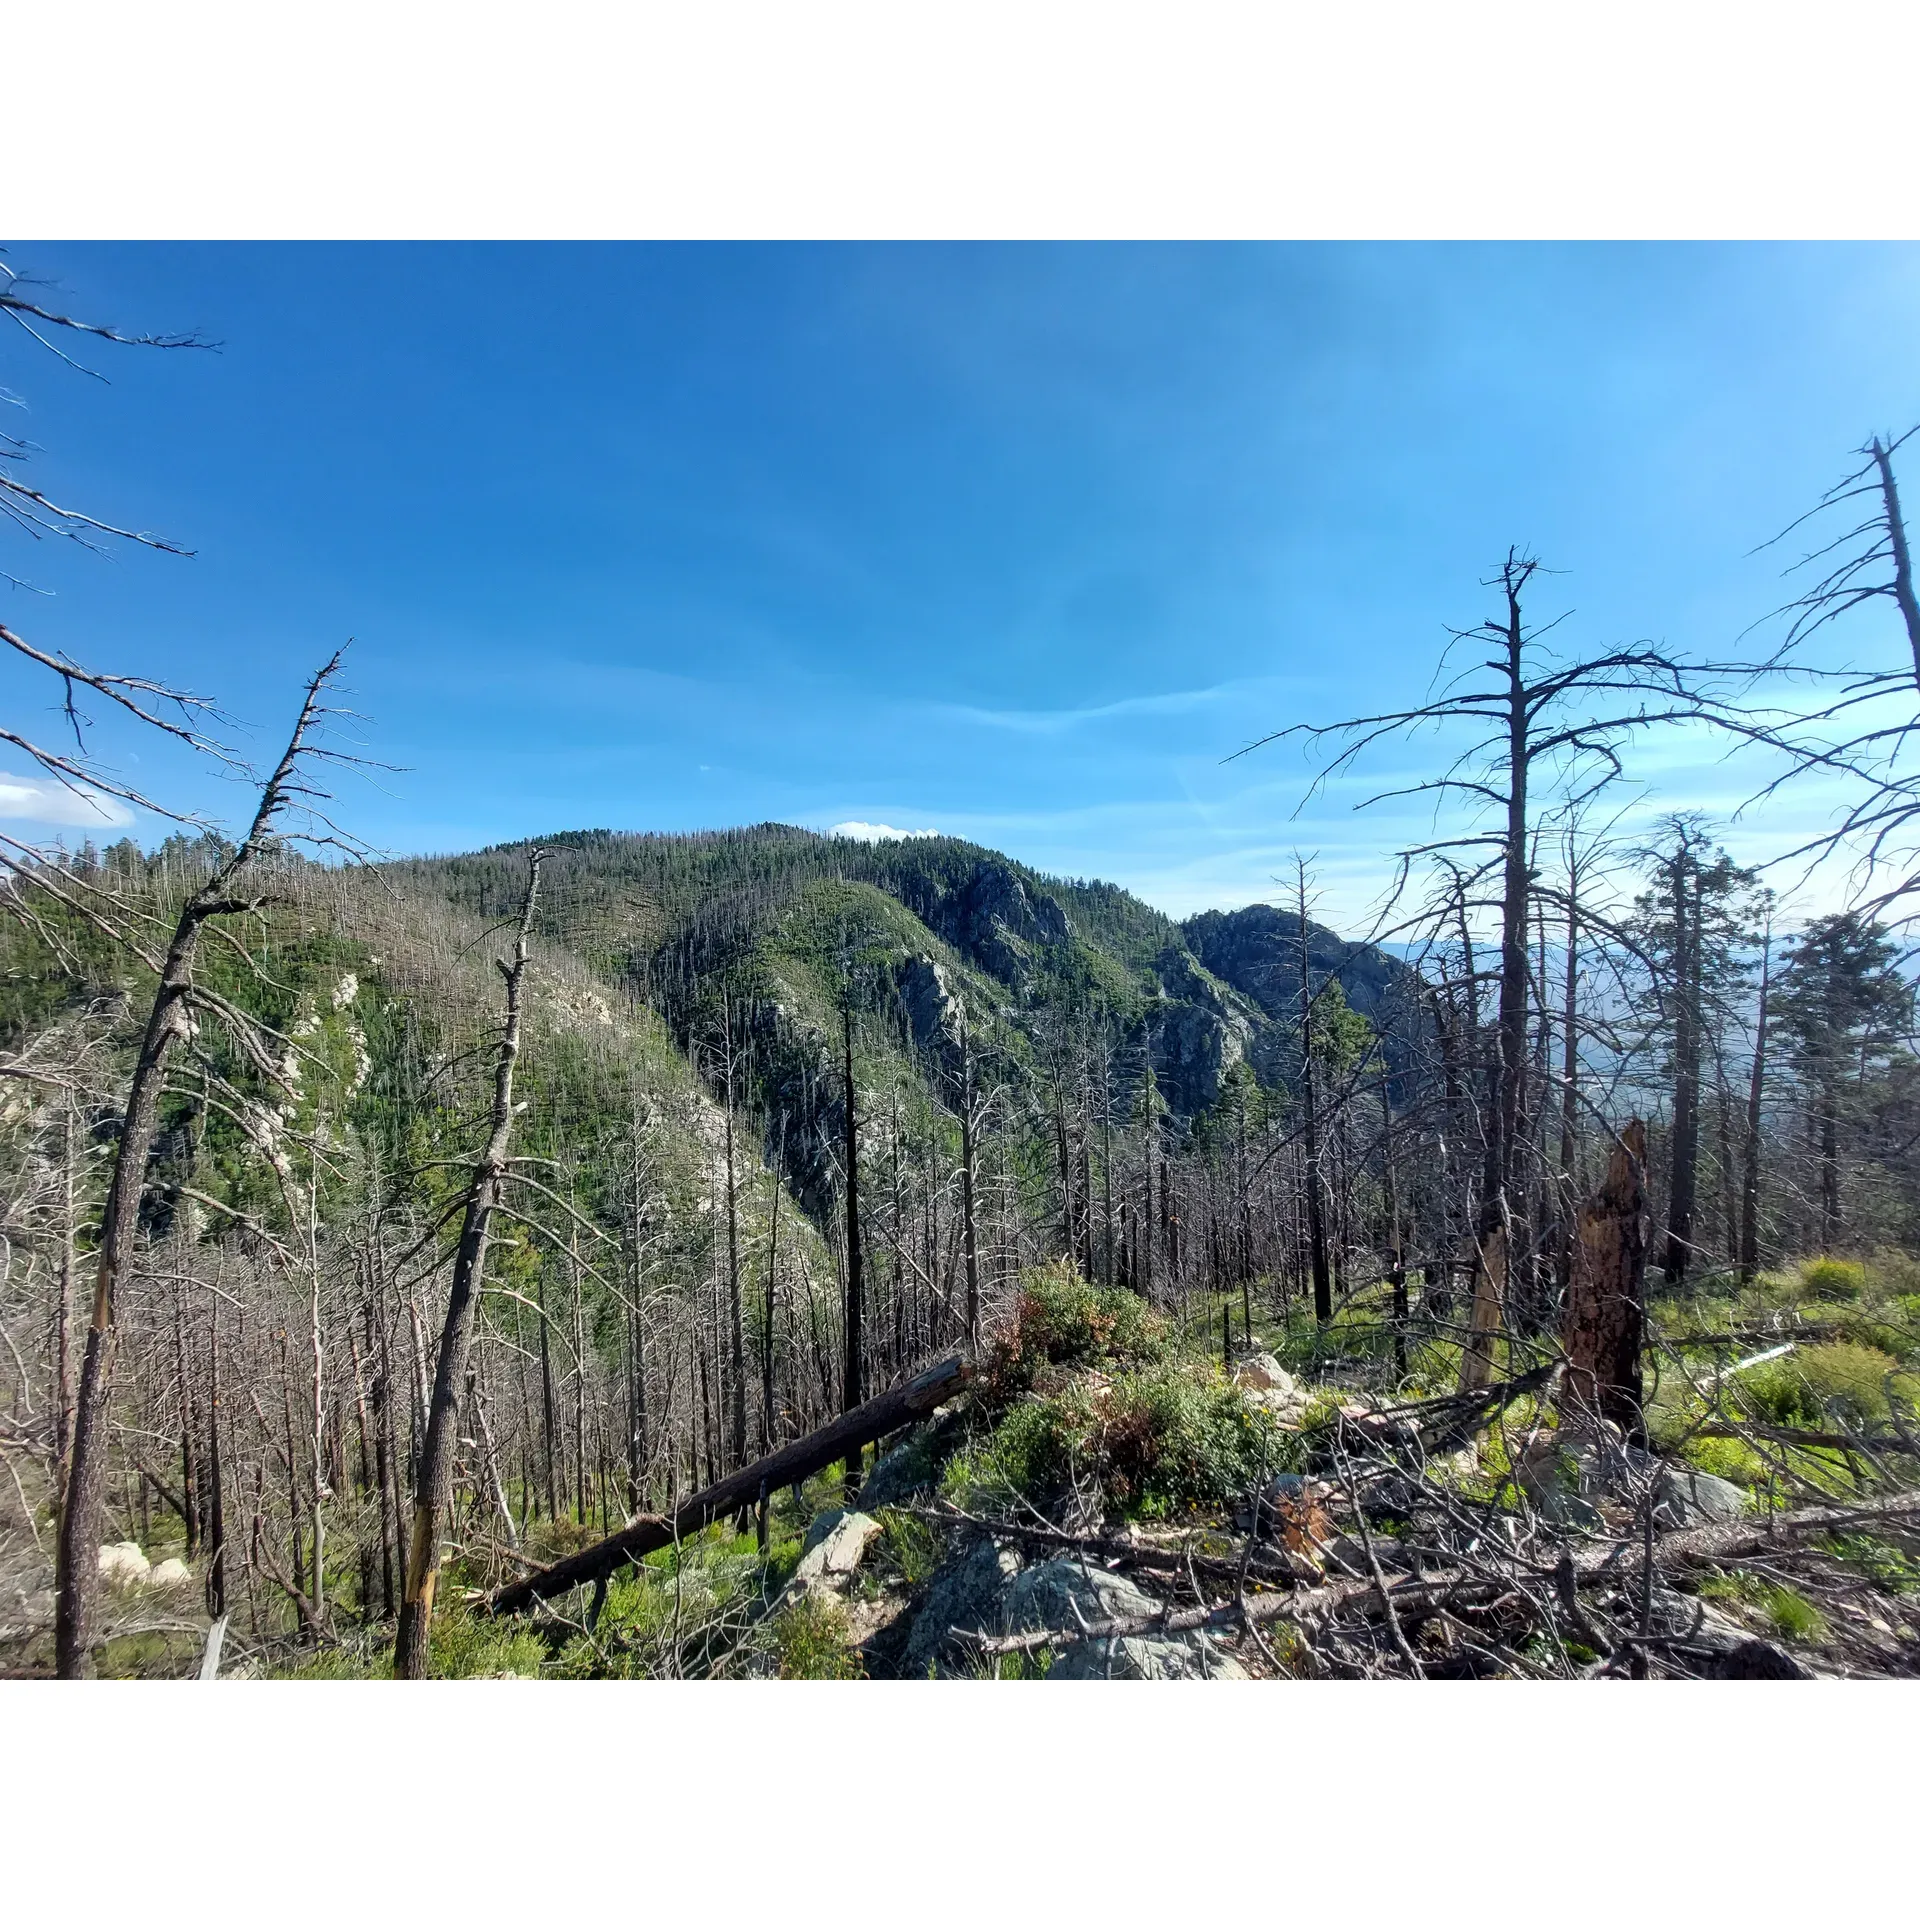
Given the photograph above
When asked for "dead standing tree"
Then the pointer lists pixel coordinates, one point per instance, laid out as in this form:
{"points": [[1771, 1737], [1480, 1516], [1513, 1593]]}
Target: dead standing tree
{"points": [[1862, 731], [178, 1003], [1544, 730], [484, 1197], [853, 1366]]}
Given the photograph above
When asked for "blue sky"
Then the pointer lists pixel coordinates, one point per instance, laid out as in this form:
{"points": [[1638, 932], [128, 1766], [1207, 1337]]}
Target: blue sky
{"points": [[1018, 543]]}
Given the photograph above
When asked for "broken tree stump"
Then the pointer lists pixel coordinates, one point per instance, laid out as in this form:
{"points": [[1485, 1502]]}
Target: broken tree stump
{"points": [[1604, 1315]]}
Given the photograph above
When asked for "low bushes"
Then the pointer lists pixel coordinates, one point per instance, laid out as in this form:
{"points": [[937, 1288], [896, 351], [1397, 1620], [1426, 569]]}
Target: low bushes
{"points": [[1061, 1321], [1830, 1279], [1153, 1442], [470, 1646], [811, 1641], [1806, 1387]]}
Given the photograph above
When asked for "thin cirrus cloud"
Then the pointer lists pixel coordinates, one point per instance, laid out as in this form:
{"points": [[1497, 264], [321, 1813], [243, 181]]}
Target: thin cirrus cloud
{"points": [[53, 805], [1045, 720]]}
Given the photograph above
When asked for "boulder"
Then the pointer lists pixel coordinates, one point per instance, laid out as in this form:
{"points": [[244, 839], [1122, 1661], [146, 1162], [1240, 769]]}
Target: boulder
{"points": [[1262, 1373], [169, 1576], [1554, 1474], [1692, 1623], [1758, 1660], [834, 1545], [967, 1590], [1690, 1499], [124, 1564], [1061, 1594], [912, 1464], [984, 1588], [1188, 1656]]}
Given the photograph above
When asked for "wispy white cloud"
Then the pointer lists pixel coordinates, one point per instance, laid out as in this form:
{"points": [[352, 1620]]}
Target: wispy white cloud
{"points": [[1049, 720], [52, 805], [875, 830]]}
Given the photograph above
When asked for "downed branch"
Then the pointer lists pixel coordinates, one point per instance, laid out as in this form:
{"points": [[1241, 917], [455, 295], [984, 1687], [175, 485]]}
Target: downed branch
{"points": [[1754, 1430], [1413, 1597], [799, 1460], [1443, 1426], [1114, 1551]]}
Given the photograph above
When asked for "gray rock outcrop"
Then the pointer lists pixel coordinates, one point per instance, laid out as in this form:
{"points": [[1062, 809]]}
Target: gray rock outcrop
{"points": [[984, 1588]]}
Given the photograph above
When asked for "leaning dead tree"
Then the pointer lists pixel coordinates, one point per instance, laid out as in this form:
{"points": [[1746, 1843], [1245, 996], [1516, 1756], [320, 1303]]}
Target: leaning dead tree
{"points": [[484, 1197], [180, 1002]]}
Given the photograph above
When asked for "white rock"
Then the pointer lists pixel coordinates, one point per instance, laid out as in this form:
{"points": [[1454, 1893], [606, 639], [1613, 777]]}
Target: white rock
{"points": [[834, 1545], [124, 1563], [1262, 1373]]}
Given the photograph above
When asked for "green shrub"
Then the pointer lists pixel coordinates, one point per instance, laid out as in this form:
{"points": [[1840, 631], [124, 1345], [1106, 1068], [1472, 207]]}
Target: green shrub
{"points": [[1790, 1614], [811, 1641], [1777, 1392], [344, 1662], [1892, 1271], [1849, 1377], [1731, 1459], [1061, 1321], [1830, 1279], [1877, 1560], [909, 1545], [1892, 1328], [1173, 1441], [1838, 1377], [1155, 1442], [469, 1646], [1043, 1442]]}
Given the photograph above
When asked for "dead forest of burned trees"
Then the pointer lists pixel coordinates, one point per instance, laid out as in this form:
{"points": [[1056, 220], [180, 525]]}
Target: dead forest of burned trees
{"points": [[347, 1259]]}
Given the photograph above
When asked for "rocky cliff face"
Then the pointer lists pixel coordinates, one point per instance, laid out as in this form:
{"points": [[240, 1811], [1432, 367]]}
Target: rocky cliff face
{"points": [[1256, 951], [989, 914], [1200, 1030]]}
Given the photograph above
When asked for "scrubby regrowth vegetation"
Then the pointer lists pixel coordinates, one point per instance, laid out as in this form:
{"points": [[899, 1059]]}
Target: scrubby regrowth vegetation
{"points": [[756, 1253]]}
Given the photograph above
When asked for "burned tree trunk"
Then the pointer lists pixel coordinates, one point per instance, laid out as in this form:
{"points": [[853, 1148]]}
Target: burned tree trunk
{"points": [[1756, 1090], [1683, 1182], [1604, 1310], [435, 1479], [1316, 1220], [853, 1369]]}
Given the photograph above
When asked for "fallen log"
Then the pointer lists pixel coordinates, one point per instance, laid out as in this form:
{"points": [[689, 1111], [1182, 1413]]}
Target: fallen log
{"points": [[797, 1461]]}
